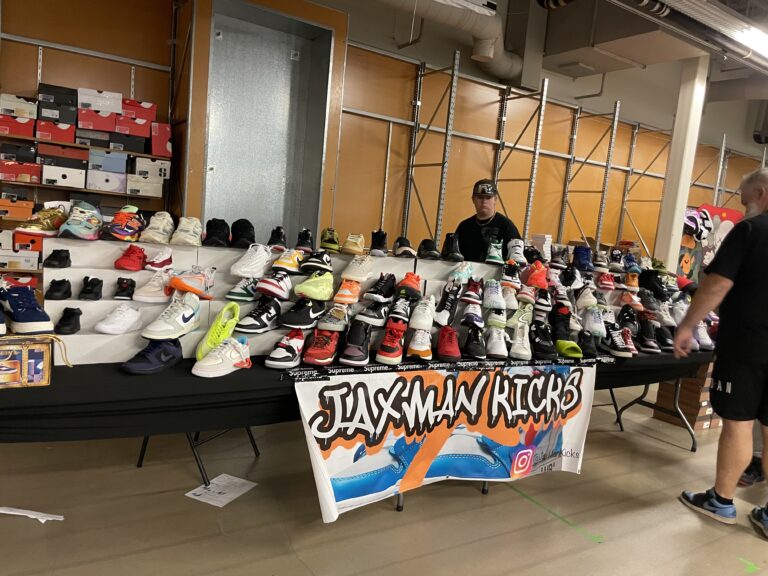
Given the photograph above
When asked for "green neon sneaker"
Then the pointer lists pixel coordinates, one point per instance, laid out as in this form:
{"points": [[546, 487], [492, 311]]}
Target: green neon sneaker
{"points": [[319, 286], [329, 240], [221, 329]]}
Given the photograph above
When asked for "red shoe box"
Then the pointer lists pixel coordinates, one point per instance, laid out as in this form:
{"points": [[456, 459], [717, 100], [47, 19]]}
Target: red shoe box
{"points": [[93, 120], [132, 126], [55, 131], [10, 126], [25, 241], [161, 139], [139, 110], [20, 172]]}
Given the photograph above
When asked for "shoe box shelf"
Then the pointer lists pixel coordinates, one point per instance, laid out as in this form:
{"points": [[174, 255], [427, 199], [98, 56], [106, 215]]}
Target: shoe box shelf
{"points": [[96, 259], [75, 145]]}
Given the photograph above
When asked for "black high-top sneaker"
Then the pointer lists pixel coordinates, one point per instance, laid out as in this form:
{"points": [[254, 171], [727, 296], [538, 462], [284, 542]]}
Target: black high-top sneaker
{"points": [[613, 343], [91, 289], [451, 249], [378, 243], [305, 242], [243, 234], [58, 259], [216, 233], [277, 239], [541, 341], [560, 257], [616, 260], [628, 319], [532, 254], [474, 345], [560, 319], [428, 250], [403, 249], [383, 290], [125, 288], [69, 323], [649, 279], [587, 344], [59, 290], [646, 338]]}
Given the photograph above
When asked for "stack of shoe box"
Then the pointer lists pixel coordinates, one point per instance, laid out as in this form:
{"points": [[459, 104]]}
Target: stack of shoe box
{"points": [[17, 118], [694, 401]]}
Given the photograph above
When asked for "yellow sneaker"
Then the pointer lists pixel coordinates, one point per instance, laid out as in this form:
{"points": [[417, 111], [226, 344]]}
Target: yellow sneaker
{"points": [[221, 329], [319, 286], [289, 261], [354, 244], [45, 223]]}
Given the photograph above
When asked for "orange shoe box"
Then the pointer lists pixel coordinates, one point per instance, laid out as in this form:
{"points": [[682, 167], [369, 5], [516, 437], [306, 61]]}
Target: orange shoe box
{"points": [[24, 241], [20, 209]]}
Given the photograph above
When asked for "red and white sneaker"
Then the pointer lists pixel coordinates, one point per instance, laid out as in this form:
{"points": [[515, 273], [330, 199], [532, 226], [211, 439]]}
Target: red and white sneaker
{"points": [[391, 348], [287, 352], [277, 284], [605, 281], [626, 335], [163, 260], [322, 350], [527, 294], [448, 345], [133, 259]]}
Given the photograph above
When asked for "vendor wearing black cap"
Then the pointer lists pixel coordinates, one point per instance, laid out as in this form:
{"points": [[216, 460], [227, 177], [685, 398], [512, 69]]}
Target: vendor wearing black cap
{"points": [[477, 231]]}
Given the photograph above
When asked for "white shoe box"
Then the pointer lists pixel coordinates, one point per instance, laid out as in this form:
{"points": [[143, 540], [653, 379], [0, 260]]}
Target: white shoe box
{"points": [[18, 107], [100, 100], [106, 181], [145, 186], [152, 167], [57, 176]]}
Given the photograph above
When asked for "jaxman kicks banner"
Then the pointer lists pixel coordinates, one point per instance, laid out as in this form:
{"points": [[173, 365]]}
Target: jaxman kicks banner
{"points": [[375, 435]]}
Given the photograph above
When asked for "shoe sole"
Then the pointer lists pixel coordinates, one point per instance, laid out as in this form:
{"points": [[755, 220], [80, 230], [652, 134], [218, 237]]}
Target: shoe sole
{"points": [[526, 300], [178, 284], [470, 300], [420, 325], [602, 270], [41, 327], [419, 355], [214, 373], [497, 356], [151, 299], [649, 350], [158, 269], [518, 356], [127, 368], [123, 297], [354, 278], [389, 361], [449, 358], [56, 266], [309, 268], [122, 267], [286, 269], [321, 297], [377, 298], [170, 335], [378, 322], [331, 327], [349, 362], [707, 513], [405, 253], [73, 236], [248, 330], [378, 253], [495, 262], [274, 293], [352, 251], [334, 248], [343, 300], [296, 326], [241, 298], [758, 526], [282, 365], [319, 361], [42, 233]]}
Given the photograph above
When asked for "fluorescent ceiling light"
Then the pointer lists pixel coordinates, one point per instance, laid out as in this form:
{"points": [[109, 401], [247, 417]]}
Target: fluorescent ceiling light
{"points": [[754, 39]]}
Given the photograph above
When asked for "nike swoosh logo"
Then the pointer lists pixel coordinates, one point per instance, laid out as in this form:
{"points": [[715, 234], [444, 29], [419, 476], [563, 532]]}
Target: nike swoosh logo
{"points": [[186, 318], [164, 357], [313, 315]]}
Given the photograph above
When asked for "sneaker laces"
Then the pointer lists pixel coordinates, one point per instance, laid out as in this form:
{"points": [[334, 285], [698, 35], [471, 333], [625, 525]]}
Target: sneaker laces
{"points": [[24, 299], [380, 284], [158, 280], [222, 350], [121, 311], [174, 309], [150, 348], [400, 307], [262, 304], [321, 341], [245, 282], [617, 338], [123, 218], [421, 338], [451, 337], [393, 336]]}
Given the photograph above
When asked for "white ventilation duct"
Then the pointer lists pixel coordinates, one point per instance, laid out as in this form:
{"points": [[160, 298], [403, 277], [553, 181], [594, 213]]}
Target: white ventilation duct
{"points": [[487, 33], [752, 88]]}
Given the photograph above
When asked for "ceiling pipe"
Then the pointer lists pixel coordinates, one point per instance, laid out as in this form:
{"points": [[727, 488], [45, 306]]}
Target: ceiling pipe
{"points": [[752, 88], [487, 33]]}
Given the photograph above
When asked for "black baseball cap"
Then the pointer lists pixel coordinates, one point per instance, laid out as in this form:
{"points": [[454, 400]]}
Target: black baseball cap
{"points": [[484, 187]]}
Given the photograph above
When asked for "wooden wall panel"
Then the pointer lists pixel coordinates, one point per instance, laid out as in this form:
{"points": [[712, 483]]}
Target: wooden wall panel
{"points": [[380, 84], [138, 29], [698, 196], [477, 109], [738, 167], [646, 150], [705, 165], [18, 69]]}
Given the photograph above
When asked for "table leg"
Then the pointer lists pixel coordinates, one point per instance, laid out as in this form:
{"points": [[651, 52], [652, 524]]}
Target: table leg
{"points": [[253, 441], [694, 444], [616, 409], [399, 503], [198, 460], [635, 401], [484, 489], [142, 452]]}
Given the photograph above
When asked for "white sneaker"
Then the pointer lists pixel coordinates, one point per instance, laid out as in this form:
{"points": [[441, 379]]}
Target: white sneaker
{"points": [[229, 356], [496, 319], [121, 320], [244, 291], [492, 297], [277, 284], [473, 316], [510, 299], [515, 251], [593, 321], [679, 310], [462, 273], [543, 243], [496, 344], [188, 233], [521, 342], [561, 296], [163, 260], [179, 318], [197, 280], [664, 316], [359, 269], [287, 352], [254, 263], [154, 290], [420, 347], [702, 337], [423, 315], [160, 229], [585, 299]]}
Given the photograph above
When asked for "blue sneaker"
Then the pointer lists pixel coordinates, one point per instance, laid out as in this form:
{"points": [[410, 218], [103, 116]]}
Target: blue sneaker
{"points": [[582, 259], [464, 456], [706, 503], [84, 222], [759, 519], [631, 265], [156, 357], [372, 477], [26, 315]]}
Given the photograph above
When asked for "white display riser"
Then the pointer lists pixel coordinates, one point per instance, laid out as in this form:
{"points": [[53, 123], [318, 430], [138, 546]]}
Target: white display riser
{"points": [[102, 253]]}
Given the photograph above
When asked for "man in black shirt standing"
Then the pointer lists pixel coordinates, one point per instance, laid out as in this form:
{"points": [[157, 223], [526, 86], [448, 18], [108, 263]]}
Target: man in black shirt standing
{"points": [[736, 280], [477, 231]]}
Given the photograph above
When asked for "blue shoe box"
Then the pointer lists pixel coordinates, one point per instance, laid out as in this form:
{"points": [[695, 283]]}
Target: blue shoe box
{"points": [[108, 161]]}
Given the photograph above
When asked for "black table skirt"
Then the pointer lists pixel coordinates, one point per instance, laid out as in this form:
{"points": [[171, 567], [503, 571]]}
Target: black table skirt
{"points": [[98, 401]]}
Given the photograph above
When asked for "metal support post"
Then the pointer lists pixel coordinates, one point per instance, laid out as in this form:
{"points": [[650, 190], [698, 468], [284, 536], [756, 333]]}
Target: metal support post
{"points": [[568, 172], [447, 147], [502, 124], [606, 177], [627, 178], [718, 197], [535, 158], [765, 151], [386, 175], [412, 147]]}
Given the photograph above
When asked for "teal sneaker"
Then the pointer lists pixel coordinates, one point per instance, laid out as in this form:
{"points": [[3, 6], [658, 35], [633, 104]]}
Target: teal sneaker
{"points": [[759, 519], [84, 222], [706, 503]]}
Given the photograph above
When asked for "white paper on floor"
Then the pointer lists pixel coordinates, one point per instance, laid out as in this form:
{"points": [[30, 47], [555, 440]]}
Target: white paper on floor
{"points": [[40, 516], [222, 490]]}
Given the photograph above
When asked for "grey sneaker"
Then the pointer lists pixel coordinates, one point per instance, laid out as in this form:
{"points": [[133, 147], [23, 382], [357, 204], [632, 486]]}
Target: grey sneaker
{"points": [[336, 319], [648, 300], [600, 262]]}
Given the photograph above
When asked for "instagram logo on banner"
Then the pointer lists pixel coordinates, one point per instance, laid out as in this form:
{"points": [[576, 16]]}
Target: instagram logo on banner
{"points": [[523, 462]]}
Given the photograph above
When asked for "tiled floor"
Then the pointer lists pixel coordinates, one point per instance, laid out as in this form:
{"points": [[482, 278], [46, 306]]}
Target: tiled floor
{"points": [[620, 516]]}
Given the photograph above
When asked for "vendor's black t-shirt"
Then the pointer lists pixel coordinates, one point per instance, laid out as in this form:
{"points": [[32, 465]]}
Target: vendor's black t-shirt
{"points": [[474, 237], [743, 258]]}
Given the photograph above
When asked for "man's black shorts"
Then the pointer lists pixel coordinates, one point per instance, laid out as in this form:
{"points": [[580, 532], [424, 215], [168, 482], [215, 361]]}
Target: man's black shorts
{"points": [[740, 390]]}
